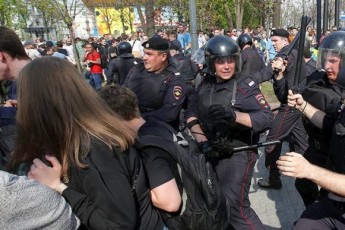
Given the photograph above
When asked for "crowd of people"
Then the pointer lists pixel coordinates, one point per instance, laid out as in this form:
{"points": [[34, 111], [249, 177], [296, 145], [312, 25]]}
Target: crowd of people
{"points": [[82, 147]]}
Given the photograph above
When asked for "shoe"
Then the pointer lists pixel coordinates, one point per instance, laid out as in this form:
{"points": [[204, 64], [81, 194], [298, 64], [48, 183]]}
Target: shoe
{"points": [[273, 181]]}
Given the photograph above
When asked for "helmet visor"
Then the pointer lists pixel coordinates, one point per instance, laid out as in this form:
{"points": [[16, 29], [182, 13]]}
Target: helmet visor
{"points": [[233, 58], [328, 55]]}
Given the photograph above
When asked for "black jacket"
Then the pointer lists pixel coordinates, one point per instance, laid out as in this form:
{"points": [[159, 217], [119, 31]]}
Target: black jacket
{"points": [[101, 194]]}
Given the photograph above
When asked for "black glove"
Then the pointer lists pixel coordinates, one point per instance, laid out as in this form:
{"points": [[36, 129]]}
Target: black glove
{"points": [[223, 146], [218, 114], [206, 149]]}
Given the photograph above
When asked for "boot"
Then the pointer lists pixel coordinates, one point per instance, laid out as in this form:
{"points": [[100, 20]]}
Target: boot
{"points": [[273, 181]]}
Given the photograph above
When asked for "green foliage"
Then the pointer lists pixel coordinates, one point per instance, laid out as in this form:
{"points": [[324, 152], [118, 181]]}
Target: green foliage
{"points": [[10, 9], [211, 13]]}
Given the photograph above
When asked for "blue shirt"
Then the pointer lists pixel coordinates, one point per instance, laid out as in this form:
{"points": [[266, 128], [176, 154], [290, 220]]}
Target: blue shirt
{"points": [[184, 39]]}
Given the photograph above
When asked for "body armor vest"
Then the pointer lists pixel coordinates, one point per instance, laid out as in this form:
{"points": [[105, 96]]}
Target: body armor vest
{"points": [[150, 88], [224, 94]]}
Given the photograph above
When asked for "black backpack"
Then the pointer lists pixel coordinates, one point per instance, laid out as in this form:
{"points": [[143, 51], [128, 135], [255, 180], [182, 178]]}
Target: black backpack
{"points": [[205, 205]]}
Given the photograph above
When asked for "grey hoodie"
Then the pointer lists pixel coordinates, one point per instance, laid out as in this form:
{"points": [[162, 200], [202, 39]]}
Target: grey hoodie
{"points": [[26, 204]]}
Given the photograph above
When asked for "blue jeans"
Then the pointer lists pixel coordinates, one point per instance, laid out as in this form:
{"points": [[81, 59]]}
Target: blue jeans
{"points": [[96, 80]]}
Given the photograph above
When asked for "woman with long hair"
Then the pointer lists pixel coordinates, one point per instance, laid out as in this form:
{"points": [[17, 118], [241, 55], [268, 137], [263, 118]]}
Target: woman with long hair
{"points": [[74, 143]]}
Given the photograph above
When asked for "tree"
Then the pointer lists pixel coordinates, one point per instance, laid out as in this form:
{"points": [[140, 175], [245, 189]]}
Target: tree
{"points": [[10, 9], [108, 17], [66, 11]]}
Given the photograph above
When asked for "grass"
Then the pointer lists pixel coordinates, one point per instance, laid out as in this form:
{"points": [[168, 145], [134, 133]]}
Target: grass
{"points": [[267, 91]]}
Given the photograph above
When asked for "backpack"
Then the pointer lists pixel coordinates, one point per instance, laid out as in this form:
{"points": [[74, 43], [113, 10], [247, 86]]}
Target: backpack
{"points": [[205, 205]]}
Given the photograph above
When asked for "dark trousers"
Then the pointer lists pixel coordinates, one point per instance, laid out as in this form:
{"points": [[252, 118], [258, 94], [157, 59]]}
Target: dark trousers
{"points": [[322, 215], [287, 121], [308, 190], [234, 176]]}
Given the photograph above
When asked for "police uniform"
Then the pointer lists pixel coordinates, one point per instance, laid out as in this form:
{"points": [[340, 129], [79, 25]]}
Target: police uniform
{"points": [[251, 61], [288, 121], [234, 172], [120, 67], [329, 213], [161, 95], [326, 97]]}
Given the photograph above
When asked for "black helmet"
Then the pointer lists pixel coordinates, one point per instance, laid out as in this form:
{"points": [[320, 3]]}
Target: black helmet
{"points": [[124, 48], [221, 46], [244, 39], [333, 44]]}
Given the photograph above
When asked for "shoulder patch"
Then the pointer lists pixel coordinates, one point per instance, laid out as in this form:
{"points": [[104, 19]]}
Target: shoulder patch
{"points": [[249, 82], [177, 92], [261, 101]]}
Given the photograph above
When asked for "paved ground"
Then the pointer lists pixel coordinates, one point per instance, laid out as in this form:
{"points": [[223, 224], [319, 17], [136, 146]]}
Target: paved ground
{"points": [[277, 209]]}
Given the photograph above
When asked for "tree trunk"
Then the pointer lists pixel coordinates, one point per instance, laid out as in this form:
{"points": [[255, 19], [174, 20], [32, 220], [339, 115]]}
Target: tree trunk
{"points": [[228, 15], [141, 16], [276, 13], [150, 20], [76, 55], [239, 13]]}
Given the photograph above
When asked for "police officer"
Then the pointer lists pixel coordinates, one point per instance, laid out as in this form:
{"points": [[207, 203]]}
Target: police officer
{"points": [[287, 122], [227, 110], [122, 65], [329, 212], [183, 64], [322, 93], [160, 89], [251, 59]]}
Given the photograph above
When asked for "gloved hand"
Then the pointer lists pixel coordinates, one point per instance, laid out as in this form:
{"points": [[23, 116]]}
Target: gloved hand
{"points": [[206, 149], [219, 114], [223, 146]]}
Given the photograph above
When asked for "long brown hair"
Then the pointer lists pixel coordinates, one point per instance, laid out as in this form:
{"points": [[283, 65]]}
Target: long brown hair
{"points": [[58, 113]]}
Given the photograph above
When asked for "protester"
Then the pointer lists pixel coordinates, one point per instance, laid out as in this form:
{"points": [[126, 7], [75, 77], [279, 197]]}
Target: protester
{"points": [[74, 144], [26, 204]]}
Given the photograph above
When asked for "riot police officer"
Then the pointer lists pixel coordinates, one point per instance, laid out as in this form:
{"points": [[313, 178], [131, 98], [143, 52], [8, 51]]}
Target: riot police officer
{"points": [[287, 122], [122, 65], [227, 110], [329, 212], [322, 93], [160, 88], [251, 59]]}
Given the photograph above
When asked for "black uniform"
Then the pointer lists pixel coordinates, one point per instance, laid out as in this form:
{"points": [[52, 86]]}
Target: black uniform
{"points": [[288, 121], [120, 67], [234, 172], [251, 61], [186, 66], [329, 213], [159, 95], [325, 97]]}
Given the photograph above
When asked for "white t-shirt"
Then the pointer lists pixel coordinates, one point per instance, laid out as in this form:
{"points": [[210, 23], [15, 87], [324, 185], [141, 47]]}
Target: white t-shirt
{"points": [[137, 47]]}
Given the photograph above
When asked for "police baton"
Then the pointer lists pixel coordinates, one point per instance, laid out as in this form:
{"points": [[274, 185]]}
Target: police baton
{"points": [[304, 23], [258, 145]]}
